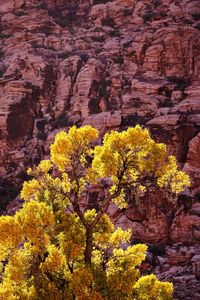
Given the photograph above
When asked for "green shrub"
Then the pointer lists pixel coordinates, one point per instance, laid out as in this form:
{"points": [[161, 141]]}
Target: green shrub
{"points": [[115, 33], [61, 121], [196, 16], [148, 16], [8, 191], [108, 21], [127, 12], [41, 135], [119, 59], [158, 250], [181, 82]]}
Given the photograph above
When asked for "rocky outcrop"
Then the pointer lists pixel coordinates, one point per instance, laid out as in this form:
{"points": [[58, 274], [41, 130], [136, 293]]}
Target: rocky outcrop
{"points": [[111, 64], [181, 263]]}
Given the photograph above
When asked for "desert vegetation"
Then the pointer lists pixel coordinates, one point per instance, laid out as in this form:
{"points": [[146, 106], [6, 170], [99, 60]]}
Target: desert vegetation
{"points": [[54, 247]]}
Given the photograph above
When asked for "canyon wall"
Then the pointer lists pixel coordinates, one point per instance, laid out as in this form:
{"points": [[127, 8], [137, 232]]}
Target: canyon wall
{"points": [[111, 64]]}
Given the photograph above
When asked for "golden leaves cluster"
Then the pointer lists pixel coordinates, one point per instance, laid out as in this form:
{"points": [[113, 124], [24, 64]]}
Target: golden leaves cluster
{"points": [[42, 246]]}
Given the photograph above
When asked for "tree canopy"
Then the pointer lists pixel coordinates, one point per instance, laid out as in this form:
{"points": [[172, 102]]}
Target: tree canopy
{"points": [[54, 247]]}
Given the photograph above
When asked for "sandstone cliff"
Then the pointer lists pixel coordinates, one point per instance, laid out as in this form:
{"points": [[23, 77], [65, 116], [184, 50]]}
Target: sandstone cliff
{"points": [[111, 64]]}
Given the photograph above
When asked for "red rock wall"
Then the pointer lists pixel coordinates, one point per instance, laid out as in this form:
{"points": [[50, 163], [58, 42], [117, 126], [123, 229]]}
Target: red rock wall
{"points": [[111, 64]]}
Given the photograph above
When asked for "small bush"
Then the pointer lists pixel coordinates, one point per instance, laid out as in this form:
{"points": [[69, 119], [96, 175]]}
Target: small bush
{"points": [[157, 3], [64, 54], [181, 82], [61, 121], [128, 44], [40, 124], [115, 33], [119, 59], [187, 21], [41, 135], [158, 250], [99, 38], [62, 22], [148, 16], [46, 29], [132, 120], [84, 57], [127, 12], [196, 16], [8, 191], [108, 21], [98, 50], [104, 88], [5, 35]]}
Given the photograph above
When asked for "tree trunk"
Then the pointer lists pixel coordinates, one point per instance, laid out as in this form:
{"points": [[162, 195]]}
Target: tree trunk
{"points": [[88, 248]]}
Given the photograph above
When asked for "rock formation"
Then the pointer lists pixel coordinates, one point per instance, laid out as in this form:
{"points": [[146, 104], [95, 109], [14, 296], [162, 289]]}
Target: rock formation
{"points": [[111, 64]]}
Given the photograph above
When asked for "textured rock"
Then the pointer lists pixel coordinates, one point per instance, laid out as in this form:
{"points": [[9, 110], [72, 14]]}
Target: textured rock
{"points": [[111, 64], [181, 265], [193, 163], [104, 121]]}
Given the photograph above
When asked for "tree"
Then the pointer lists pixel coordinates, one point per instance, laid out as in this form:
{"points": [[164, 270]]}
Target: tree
{"points": [[55, 248]]}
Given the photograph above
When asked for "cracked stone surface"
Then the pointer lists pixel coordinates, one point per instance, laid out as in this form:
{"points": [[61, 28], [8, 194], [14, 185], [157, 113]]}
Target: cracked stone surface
{"points": [[111, 64]]}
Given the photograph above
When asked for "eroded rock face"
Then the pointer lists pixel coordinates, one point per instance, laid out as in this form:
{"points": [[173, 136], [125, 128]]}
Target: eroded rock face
{"points": [[111, 64]]}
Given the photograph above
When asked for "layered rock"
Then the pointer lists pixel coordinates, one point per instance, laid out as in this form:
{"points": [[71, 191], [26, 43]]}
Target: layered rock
{"points": [[111, 64]]}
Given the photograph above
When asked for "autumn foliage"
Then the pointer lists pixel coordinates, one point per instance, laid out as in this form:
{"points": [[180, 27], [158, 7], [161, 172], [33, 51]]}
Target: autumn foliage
{"points": [[55, 248]]}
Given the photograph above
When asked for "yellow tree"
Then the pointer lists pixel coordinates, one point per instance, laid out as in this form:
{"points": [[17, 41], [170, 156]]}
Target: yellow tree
{"points": [[54, 248]]}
